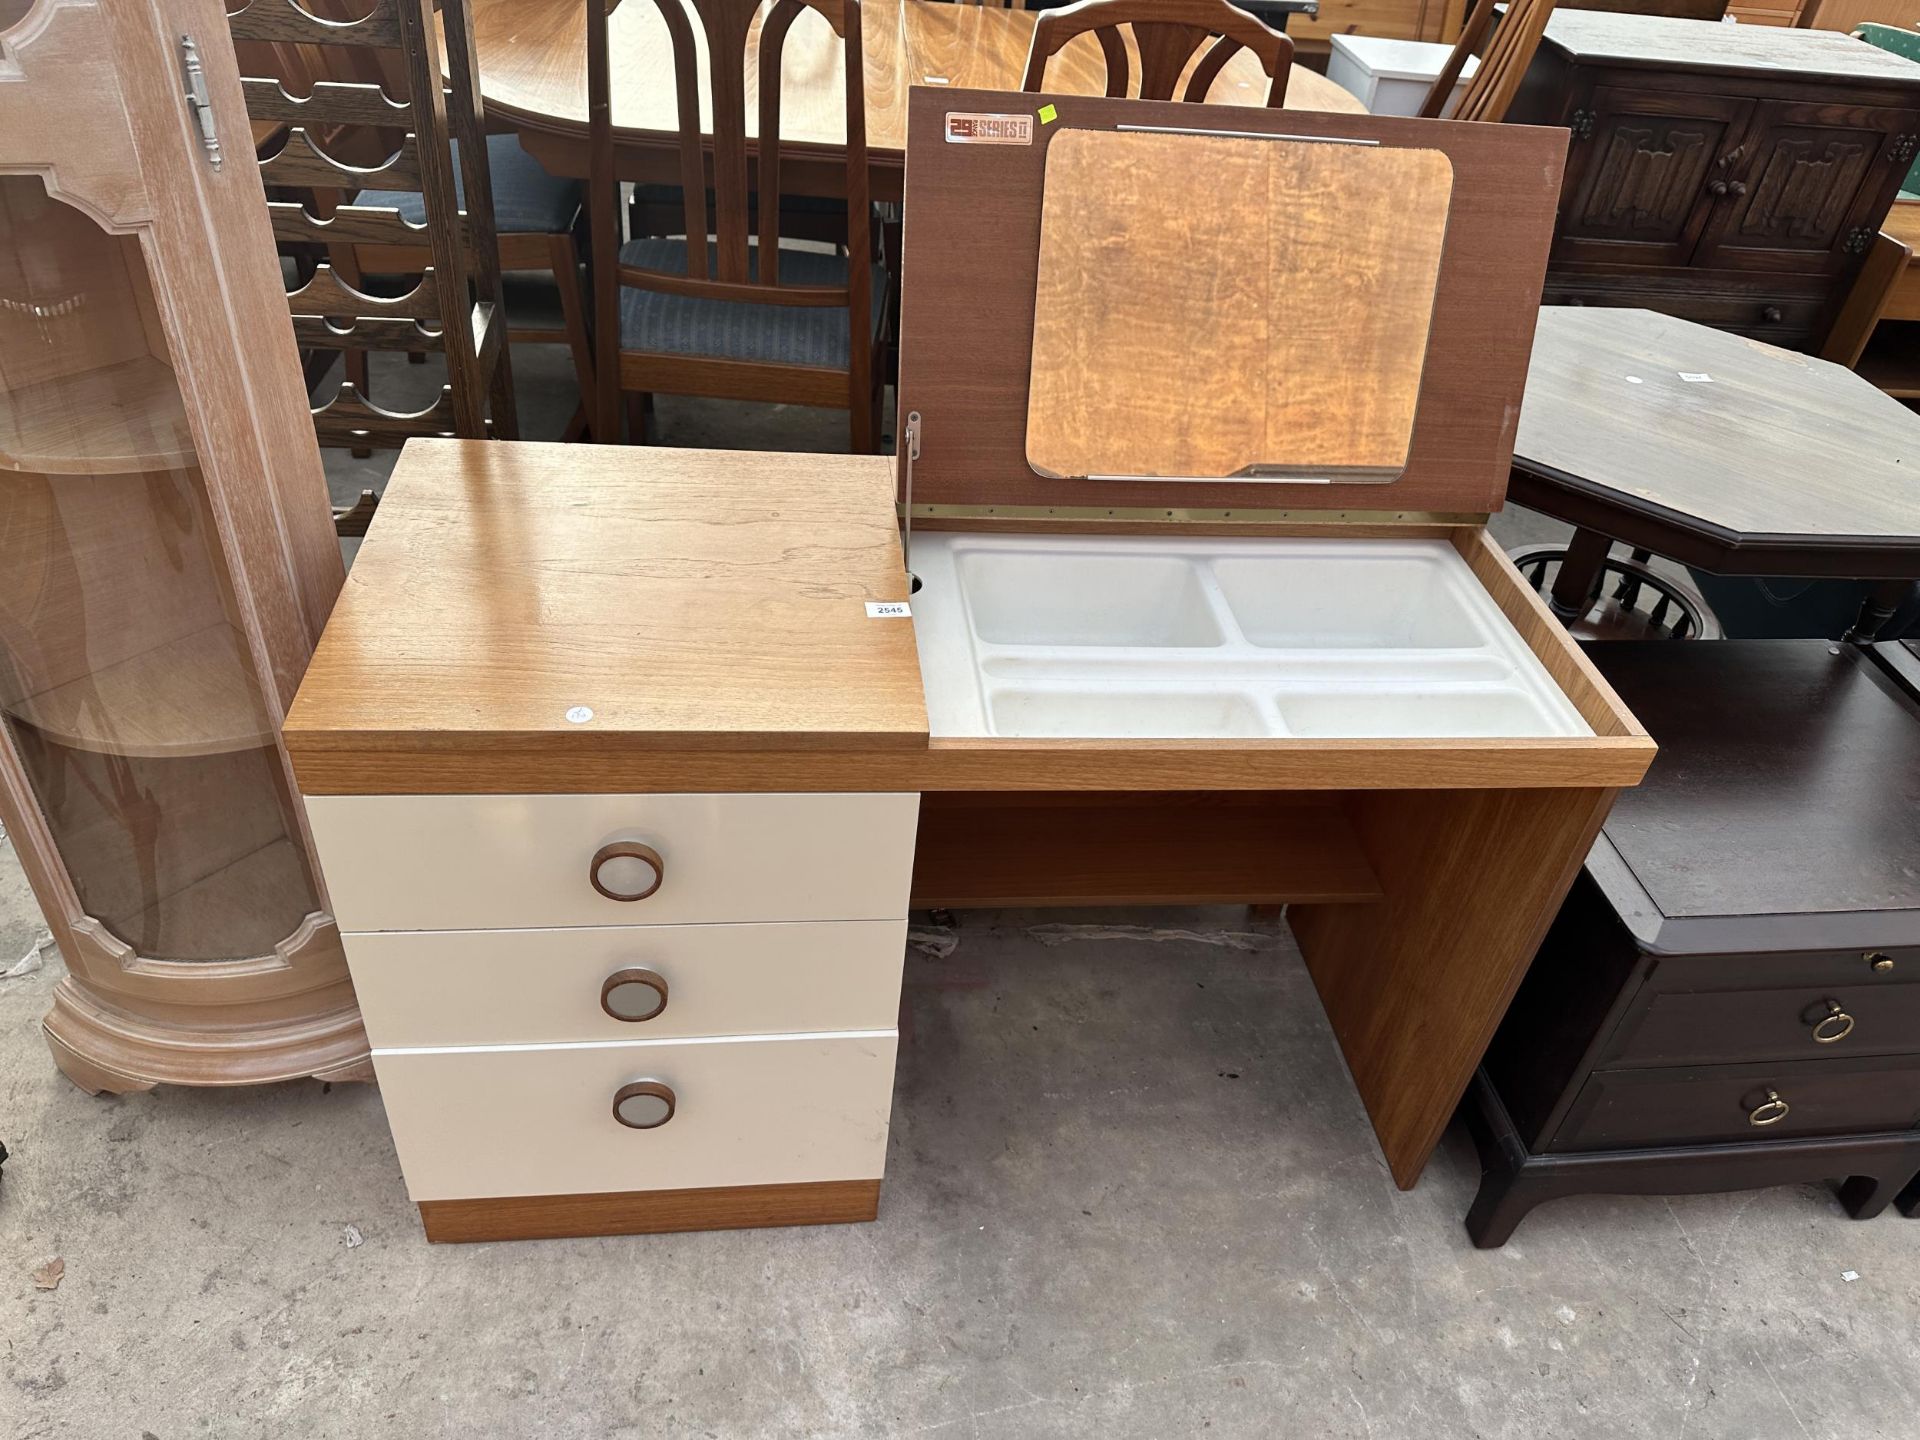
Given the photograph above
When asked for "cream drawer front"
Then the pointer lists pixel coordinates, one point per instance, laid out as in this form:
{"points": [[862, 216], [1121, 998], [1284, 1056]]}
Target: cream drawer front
{"points": [[539, 1120], [508, 862], [500, 987]]}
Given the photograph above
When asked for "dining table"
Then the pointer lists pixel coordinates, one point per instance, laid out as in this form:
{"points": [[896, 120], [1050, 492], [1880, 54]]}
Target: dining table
{"points": [[533, 78]]}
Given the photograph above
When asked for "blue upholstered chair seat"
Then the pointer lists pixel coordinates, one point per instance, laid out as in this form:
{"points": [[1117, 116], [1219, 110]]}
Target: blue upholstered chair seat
{"points": [[732, 330], [526, 199]]}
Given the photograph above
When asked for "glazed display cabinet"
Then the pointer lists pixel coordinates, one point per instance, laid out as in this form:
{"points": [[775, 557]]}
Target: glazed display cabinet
{"points": [[166, 559]]}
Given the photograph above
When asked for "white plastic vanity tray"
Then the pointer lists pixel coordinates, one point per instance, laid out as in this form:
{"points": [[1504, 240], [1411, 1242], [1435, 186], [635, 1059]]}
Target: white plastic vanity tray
{"points": [[1104, 637]]}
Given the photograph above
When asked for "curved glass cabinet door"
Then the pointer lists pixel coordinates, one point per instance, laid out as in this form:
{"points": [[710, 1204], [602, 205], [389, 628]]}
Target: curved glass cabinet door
{"points": [[125, 683]]}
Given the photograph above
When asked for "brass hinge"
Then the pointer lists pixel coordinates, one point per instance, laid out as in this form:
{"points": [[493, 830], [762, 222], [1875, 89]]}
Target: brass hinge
{"points": [[909, 452], [199, 102]]}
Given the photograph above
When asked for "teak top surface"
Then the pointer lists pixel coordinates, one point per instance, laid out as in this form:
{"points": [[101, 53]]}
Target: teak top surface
{"points": [[1308, 290], [533, 68], [1788, 779], [1774, 444], [973, 220], [692, 599], [1666, 42]]}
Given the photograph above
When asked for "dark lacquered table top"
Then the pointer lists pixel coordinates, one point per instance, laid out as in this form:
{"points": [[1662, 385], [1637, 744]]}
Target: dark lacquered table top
{"points": [[1788, 779], [1716, 450]]}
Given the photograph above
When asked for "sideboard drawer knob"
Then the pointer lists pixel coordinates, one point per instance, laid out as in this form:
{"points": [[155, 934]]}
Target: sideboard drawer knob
{"points": [[644, 1104], [626, 870], [1880, 964], [1834, 1026], [634, 994], [1770, 314], [1770, 1111]]}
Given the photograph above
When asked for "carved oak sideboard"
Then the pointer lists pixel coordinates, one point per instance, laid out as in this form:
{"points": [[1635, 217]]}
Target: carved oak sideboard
{"points": [[1733, 175]]}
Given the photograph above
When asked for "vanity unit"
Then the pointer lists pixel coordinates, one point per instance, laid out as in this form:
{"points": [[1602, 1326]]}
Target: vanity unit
{"points": [[626, 764]]}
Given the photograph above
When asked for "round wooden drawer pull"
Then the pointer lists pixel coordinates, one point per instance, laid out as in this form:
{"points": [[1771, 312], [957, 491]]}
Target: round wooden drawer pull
{"points": [[1832, 1027], [1770, 1111], [626, 870], [634, 994], [644, 1104]]}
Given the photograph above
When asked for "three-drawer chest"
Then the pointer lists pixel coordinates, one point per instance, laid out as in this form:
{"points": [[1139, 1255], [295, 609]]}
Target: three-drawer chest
{"points": [[1730, 996], [598, 1010]]}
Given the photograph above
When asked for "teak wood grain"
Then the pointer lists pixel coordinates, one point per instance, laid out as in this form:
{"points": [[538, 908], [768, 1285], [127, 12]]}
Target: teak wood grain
{"points": [[650, 1212], [973, 228], [1415, 986], [533, 71], [1074, 850], [1308, 288], [500, 587], [418, 690], [1773, 455]]}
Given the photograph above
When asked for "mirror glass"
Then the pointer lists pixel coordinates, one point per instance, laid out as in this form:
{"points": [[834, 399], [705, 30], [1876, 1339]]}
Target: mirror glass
{"points": [[13, 12], [1214, 307], [634, 1000], [643, 1112]]}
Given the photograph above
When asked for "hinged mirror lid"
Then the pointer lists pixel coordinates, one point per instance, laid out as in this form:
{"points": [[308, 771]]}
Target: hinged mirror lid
{"points": [[1166, 312]]}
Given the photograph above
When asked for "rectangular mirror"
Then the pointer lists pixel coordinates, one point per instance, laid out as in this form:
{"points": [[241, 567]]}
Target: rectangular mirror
{"points": [[1218, 307]]}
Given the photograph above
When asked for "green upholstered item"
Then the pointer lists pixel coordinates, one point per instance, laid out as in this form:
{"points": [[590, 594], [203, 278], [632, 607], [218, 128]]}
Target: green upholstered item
{"points": [[1906, 44]]}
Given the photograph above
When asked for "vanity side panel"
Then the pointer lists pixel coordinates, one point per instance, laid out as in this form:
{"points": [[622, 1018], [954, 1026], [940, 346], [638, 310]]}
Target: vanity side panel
{"points": [[1415, 986]]}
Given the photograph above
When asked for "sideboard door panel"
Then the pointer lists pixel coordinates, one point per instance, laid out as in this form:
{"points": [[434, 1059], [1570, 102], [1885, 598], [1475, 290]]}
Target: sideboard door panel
{"points": [[1636, 182], [1811, 174]]}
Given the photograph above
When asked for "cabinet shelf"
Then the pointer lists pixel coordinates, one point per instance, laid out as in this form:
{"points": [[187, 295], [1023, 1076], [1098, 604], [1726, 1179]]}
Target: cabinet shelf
{"points": [[119, 419], [241, 907], [190, 696]]}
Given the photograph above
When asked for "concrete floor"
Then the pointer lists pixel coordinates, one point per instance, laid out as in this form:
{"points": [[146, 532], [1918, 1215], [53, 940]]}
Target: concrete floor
{"points": [[1130, 1192]]}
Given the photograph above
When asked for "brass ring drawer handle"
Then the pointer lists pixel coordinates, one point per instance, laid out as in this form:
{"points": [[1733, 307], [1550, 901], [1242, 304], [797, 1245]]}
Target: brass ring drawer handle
{"points": [[637, 873], [1832, 1027], [644, 1104], [1770, 1111], [634, 994]]}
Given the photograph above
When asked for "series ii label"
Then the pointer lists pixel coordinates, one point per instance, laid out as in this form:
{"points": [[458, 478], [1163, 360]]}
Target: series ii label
{"points": [[965, 128]]}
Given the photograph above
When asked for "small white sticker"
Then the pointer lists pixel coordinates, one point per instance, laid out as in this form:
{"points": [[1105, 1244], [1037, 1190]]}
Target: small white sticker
{"points": [[579, 715], [1849, 1276], [1694, 378], [888, 610], [936, 79], [1635, 380]]}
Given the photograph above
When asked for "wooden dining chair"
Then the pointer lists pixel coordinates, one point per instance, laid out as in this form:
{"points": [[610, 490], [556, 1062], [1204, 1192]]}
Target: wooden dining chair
{"points": [[1503, 65], [535, 216], [739, 317], [1166, 34]]}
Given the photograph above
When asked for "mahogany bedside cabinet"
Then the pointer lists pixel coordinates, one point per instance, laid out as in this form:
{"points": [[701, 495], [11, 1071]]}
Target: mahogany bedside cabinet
{"points": [[625, 764], [1730, 996]]}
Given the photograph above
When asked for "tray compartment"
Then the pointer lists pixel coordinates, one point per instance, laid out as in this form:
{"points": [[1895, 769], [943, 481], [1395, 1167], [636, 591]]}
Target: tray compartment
{"points": [[1092, 711], [1221, 638], [1366, 714], [1016, 597], [1337, 602]]}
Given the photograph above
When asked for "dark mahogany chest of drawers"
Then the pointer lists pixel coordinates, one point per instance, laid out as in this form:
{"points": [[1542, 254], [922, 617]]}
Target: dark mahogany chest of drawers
{"points": [[1733, 175], [1730, 995]]}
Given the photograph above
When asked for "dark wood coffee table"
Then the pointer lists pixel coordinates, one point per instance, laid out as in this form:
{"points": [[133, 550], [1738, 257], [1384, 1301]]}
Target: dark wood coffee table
{"points": [[1716, 451]]}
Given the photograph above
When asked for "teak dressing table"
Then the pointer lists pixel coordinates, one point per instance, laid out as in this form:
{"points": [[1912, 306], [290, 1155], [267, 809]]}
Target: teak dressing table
{"points": [[626, 765]]}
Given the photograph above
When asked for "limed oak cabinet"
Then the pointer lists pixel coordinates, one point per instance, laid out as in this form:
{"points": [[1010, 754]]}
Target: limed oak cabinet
{"points": [[167, 558], [1733, 175]]}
